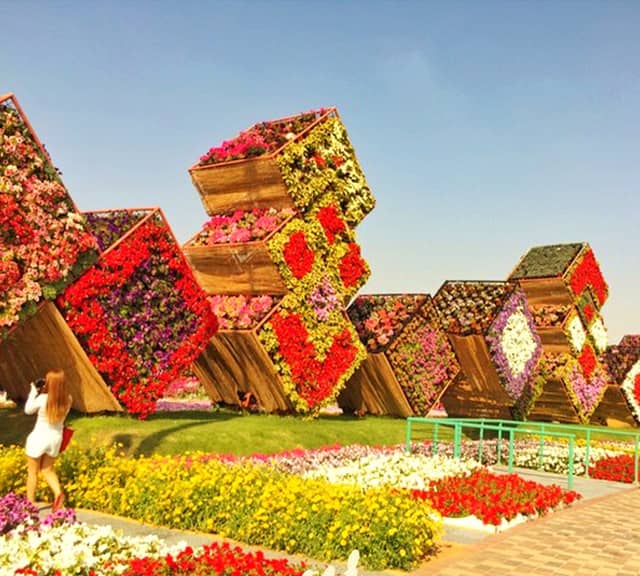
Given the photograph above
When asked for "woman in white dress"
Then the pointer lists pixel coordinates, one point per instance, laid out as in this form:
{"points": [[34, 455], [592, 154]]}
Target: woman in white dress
{"points": [[52, 404]]}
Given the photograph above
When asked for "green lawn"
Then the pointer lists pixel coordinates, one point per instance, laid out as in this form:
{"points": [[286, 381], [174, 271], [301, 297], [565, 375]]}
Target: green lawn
{"points": [[221, 431]]}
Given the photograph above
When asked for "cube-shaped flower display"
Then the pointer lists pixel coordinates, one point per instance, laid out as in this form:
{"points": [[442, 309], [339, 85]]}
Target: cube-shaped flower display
{"points": [[560, 377], [490, 323], [44, 243], [410, 361], [291, 162], [631, 388], [561, 274], [138, 312]]}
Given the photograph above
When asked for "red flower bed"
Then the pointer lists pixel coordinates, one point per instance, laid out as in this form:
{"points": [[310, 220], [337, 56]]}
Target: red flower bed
{"points": [[493, 497], [614, 468], [220, 559], [587, 274]]}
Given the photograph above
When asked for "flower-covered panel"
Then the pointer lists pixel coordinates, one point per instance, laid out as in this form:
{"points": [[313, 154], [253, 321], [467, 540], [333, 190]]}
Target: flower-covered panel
{"points": [[314, 350], [241, 226], [111, 225], [630, 340], [514, 344], [378, 318], [619, 359], [470, 307], [631, 389], [546, 261], [576, 334], [44, 244], [264, 137], [598, 332], [549, 315], [140, 315], [586, 274], [241, 311], [324, 162], [423, 360]]}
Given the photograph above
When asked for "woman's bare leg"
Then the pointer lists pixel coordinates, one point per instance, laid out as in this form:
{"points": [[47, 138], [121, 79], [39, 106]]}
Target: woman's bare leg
{"points": [[33, 467], [49, 474]]}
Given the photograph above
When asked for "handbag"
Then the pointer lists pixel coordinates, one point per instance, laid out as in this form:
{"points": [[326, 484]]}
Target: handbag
{"points": [[67, 434]]}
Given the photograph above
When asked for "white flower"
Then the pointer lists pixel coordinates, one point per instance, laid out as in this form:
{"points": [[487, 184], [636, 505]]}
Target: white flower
{"points": [[518, 343], [599, 334], [577, 335], [628, 387]]}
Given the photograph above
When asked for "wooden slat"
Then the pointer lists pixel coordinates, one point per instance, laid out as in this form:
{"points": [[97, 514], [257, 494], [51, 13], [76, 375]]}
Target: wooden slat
{"points": [[554, 340], [236, 361], [477, 391], [374, 389], [546, 291], [45, 342], [235, 269], [554, 405], [613, 409], [253, 183]]}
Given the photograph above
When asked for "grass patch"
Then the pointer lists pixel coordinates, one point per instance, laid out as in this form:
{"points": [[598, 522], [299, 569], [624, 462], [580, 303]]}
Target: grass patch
{"points": [[221, 431]]}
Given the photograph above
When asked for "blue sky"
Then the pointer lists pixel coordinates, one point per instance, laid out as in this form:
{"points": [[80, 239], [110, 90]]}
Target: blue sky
{"points": [[484, 128]]}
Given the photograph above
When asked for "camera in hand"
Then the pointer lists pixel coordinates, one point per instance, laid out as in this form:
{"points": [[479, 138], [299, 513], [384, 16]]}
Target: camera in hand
{"points": [[39, 384]]}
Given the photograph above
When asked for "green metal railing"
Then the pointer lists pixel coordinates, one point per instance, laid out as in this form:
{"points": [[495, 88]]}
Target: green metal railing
{"points": [[512, 427]]}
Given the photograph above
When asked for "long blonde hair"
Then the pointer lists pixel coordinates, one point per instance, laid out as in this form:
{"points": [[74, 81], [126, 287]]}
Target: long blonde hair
{"points": [[58, 401]]}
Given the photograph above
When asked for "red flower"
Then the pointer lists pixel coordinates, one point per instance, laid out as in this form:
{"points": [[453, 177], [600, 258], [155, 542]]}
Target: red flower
{"points": [[331, 222], [587, 273], [298, 256], [352, 267], [587, 361]]}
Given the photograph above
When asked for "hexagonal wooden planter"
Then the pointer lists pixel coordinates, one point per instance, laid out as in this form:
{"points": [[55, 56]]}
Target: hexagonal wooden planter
{"points": [[410, 361], [44, 342], [492, 332], [294, 170]]}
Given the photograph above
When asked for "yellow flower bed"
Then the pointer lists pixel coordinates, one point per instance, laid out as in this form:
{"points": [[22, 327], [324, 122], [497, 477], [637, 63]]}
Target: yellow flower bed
{"points": [[249, 503]]}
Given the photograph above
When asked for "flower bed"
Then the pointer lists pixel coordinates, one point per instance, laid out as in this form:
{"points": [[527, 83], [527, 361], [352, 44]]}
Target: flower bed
{"points": [[138, 312], [44, 244], [381, 506], [290, 162]]}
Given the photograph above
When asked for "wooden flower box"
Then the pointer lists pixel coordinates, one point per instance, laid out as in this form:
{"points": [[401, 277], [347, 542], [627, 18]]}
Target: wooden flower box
{"points": [[272, 179], [237, 267], [560, 274], [138, 313], [45, 342], [409, 361], [492, 333], [237, 361], [614, 409]]}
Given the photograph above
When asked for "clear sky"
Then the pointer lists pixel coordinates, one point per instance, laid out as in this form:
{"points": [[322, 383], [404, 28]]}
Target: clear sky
{"points": [[484, 128]]}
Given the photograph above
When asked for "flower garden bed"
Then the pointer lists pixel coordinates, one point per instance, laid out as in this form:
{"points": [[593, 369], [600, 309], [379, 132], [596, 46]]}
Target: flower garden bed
{"points": [[289, 162], [138, 312], [491, 330], [409, 359], [322, 503], [44, 244]]}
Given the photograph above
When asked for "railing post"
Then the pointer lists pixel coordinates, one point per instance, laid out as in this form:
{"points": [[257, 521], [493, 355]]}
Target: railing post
{"points": [[456, 440], [510, 460], [586, 453], [541, 453], [480, 441], [434, 445], [570, 478], [499, 455]]}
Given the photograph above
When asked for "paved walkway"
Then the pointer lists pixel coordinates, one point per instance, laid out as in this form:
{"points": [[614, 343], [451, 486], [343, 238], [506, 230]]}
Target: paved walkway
{"points": [[599, 536]]}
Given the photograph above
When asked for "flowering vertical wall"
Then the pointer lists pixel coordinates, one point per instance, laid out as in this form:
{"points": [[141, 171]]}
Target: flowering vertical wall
{"points": [[566, 291], [410, 361], [44, 243], [283, 199], [138, 312], [493, 334]]}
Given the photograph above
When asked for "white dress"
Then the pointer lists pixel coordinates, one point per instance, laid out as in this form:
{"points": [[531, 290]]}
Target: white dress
{"points": [[45, 438]]}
